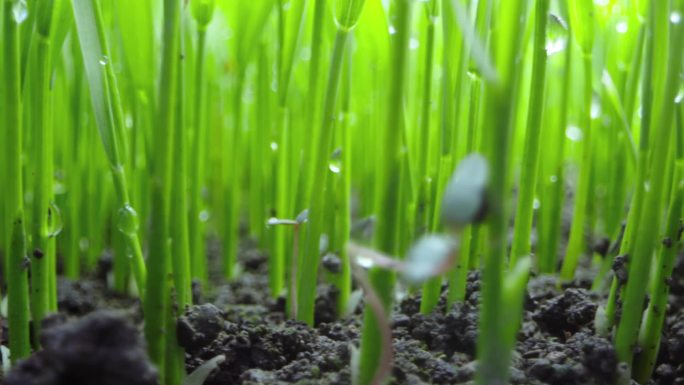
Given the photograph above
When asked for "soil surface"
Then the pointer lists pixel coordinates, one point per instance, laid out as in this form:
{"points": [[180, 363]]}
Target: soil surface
{"points": [[557, 343]]}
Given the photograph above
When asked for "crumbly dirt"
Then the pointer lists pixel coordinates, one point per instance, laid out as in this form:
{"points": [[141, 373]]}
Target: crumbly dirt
{"points": [[556, 343], [103, 348]]}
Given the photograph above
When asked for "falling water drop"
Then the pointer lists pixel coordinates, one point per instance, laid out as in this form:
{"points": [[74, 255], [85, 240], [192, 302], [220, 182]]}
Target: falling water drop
{"points": [[20, 11], [55, 223], [128, 220]]}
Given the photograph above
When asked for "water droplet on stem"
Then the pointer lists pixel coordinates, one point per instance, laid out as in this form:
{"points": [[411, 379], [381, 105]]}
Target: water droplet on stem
{"points": [[127, 222], [20, 11], [55, 223]]}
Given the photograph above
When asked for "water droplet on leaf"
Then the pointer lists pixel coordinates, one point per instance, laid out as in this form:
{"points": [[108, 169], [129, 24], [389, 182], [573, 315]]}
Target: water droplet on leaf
{"points": [[55, 223], [556, 35], [204, 216], [104, 60], [573, 133], [414, 43], [335, 166]]}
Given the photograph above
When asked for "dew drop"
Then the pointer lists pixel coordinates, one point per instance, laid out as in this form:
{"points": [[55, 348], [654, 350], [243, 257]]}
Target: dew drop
{"points": [[20, 11], [59, 188], [595, 108], [55, 223], [414, 43], [204, 216], [274, 146], [83, 244], [129, 121], [128, 220], [335, 166], [104, 60], [536, 204], [675, 17], [621, 27], [554, 179], [573, 133], [556, 35], [364, 262], [392, 30]]}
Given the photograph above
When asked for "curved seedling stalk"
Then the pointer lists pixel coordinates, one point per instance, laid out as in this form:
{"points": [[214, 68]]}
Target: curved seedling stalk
{"points": [[302, 218], [374, 303]]}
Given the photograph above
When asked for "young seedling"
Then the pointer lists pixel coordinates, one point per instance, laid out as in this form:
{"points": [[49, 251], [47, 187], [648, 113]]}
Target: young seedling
{"points": [[302, 218]]}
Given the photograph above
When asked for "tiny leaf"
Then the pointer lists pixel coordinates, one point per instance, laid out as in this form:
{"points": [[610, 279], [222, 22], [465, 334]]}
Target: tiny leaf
{"points": [[427, 257], [199, 375], [464, 197]]}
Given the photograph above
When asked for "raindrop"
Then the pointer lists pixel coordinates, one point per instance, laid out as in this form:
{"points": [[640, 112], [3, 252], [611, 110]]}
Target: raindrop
{"points": [[364, 262], [335, 166], [554, 179], [128, 220], [536, 204], [274, 146], [414, 43], [392, 30], [83, 244], [573, 133], [556, 35], [104, 60], [20, 11], [55, 223], [129, 121], [601, 3], [621, 27], [59, 188], [595, 108], [675, 17], [204, 216]]}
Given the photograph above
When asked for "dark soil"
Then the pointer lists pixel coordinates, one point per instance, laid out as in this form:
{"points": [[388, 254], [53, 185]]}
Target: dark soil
{"points": [[556, 344]]}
